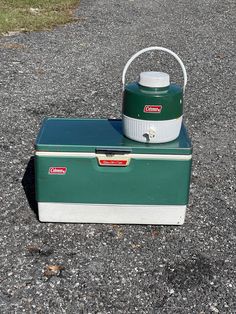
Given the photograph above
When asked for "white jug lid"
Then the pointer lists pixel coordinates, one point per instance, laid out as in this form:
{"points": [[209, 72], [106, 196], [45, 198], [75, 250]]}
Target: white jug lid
{"points": [[154, 79]]}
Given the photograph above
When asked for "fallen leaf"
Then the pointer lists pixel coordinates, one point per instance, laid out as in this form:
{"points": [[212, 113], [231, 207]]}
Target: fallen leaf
{"points": [[48, 273], [154, 232], [8, 34], [33, 248], [39, 71], [12, 46], [55, 267], [53, 270], [119, 231], [220, 55]]}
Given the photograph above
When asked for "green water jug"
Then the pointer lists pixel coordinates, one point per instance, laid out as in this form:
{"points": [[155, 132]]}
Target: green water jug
{"points": [[152, 107]]}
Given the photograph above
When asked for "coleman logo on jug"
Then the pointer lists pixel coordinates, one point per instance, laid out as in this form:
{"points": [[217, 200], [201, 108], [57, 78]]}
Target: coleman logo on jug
{"points": [[57, 170], [152, 108]]}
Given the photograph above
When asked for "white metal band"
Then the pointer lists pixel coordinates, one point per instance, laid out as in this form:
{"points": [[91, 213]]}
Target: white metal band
{"points": [[112, 213], [134, 156]]}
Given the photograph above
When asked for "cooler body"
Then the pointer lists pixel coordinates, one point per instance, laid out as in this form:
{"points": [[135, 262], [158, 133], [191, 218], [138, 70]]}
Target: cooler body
{"points": [[88, 172]]}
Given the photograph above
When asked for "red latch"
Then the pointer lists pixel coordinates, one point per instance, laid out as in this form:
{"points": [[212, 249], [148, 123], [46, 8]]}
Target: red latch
{"points": [[107, 160], [112, 162]]}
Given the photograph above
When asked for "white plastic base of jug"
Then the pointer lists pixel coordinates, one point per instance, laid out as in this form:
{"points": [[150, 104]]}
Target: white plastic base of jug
{"points": [[149, 131]]}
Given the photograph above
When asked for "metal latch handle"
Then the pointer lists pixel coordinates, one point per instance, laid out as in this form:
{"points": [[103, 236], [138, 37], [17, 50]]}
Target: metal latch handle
{"points": [[111, 151], [160, 49], [113, 160], [109, 157]]}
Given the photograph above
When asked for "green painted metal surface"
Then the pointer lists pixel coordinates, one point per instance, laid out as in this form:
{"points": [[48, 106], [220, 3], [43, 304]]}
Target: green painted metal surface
{"points": [[143, 181], [164, 182], [87, 135], [136, 97]]}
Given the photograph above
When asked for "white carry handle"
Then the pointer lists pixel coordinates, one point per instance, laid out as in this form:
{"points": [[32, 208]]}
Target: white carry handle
{"points": [[154, 48]]}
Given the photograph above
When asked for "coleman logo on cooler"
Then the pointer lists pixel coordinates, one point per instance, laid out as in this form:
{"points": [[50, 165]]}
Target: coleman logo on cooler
{"points": [[57, 170], [152, 108]]}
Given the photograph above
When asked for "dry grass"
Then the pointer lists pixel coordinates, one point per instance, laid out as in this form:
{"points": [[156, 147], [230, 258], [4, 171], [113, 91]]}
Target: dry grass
{"points": [[31, 15]]}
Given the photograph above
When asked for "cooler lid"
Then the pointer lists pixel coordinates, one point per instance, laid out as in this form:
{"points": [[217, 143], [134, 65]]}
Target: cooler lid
{"points": [[88, 135]]}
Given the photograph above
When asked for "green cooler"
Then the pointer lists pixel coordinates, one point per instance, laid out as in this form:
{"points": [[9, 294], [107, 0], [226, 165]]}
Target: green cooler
{"points": [[87, 171]]}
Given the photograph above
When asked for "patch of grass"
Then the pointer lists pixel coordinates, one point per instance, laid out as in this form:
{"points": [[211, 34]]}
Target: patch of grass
{"points": [[31, 15]]}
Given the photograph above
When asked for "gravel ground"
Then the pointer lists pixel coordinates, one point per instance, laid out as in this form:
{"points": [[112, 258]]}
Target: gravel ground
{"points": [[75, 71]]}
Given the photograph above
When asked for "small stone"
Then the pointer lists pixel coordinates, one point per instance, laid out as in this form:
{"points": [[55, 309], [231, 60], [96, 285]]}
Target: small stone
{"points": [[214, 309], [34, 11]]}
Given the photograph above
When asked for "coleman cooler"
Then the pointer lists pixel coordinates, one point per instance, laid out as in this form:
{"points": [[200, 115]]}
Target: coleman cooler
{"points": [[87, 171]]}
